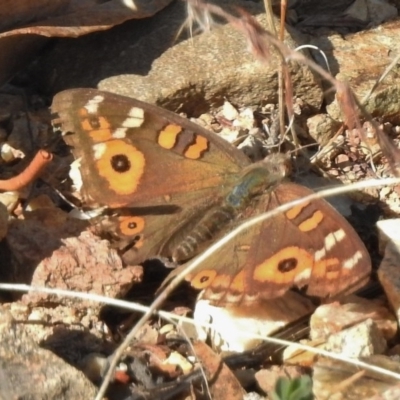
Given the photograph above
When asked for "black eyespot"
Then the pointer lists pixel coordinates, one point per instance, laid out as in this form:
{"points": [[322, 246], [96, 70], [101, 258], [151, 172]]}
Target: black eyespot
{"points": [[94, 122], [132, 225], [120, 163], [204, 279], [287, 265]]}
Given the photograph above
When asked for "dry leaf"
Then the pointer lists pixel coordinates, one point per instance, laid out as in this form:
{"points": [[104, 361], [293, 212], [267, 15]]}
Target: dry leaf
{"points": [[59, 19]]}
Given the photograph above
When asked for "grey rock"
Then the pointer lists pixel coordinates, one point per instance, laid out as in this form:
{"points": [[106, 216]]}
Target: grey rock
{"points": [[322, 128], [329, 375], [30, 372], [361, 340], [145, 59]]}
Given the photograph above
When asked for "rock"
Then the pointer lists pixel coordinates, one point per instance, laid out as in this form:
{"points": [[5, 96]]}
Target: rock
{"points": [[388, 272], [145, 59], [28, 371], [357, 327], [361, 340], [389, 232], [322, 128], [360, 59], [68, 333], [60, 256], [394, 351], [25, 27], [380, 11], [253, 396], [343, 15], [332, 318], [232, 327], [340, 380]]}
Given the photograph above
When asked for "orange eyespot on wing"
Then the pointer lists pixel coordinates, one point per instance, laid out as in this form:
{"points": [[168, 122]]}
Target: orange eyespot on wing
{"points": [[285, 266], [98, 128], [203, 279], [120, 164], [131, 226]]}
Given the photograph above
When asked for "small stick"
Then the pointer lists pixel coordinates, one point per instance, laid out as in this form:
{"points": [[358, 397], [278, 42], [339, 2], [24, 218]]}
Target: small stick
{"points": [[29, 174]]}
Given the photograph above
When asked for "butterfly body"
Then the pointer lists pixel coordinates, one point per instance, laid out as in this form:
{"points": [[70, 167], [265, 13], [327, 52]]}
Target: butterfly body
{"points": [[172, 188], [254, 181]]}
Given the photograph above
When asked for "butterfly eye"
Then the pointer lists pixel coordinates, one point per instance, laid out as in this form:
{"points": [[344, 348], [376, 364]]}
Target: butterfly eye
{"points": [[287, 265]]}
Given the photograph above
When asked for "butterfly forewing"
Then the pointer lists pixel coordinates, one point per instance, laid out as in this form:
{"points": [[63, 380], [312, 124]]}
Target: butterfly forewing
{"points": [[135, 154]]}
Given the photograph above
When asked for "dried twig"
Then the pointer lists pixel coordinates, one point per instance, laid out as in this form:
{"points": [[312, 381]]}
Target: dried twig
{"points": [[29, 174]]}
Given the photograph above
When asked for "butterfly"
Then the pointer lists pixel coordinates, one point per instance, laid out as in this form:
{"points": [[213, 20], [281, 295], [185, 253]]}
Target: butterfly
{"points": [[169, 188]]}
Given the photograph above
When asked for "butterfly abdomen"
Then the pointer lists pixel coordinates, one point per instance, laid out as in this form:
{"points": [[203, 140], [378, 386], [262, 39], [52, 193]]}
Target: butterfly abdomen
{"points": [[203, 232], [254, 182]]}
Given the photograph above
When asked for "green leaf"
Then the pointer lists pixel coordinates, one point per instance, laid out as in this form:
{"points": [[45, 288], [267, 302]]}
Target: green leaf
{"points": [[293, 389]]}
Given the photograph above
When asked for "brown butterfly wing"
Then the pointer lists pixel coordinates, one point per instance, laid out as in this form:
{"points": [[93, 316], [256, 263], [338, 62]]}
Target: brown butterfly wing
{"points": [[163, 169], [146, 232], [166, 156], [310, 246]]}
